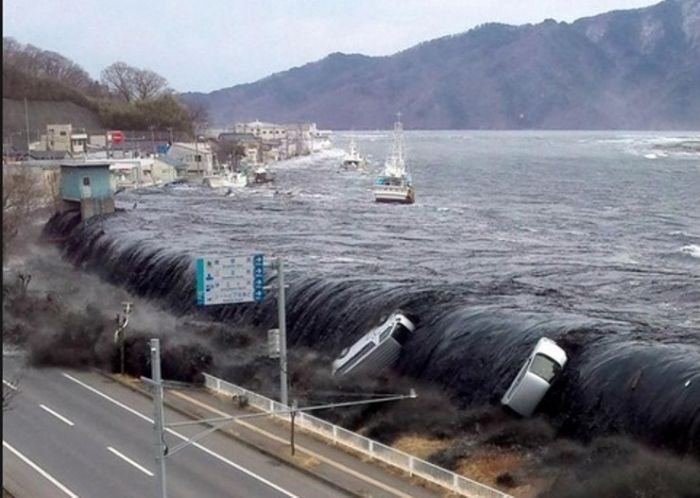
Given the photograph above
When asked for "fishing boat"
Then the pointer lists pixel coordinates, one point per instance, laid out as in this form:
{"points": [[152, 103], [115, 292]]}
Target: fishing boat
{"points": [[353, 160], [227, 180], [395, 184], [262, 175]]}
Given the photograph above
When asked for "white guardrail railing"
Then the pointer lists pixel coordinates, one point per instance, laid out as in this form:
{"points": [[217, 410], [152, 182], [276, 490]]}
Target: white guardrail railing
{"points": [[337, 435]]}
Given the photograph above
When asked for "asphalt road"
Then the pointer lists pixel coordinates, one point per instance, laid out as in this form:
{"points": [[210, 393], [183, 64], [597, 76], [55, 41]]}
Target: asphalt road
{"points": [[71, 433]]}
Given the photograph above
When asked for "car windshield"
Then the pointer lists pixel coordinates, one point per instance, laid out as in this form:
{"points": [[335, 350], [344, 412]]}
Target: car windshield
{"points": [[544, 367]]}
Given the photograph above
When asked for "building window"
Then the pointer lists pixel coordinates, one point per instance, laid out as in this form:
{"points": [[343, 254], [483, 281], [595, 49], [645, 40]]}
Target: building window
{"points": [[63, 133], [86, 181]]}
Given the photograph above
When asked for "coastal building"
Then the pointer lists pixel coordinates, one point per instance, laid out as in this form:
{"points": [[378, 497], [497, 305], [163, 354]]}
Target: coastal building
{"points": [[63, 138], [249, 143], [305, 138], [168, 168], [320, 139], [132, 172], [58, 137], [260, 129], [197, 156], [87, 187]]}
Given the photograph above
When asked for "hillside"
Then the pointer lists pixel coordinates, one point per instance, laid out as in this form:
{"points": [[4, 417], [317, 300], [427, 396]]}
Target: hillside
{"points": [[43, 112], [633, 69], [57, 90]]}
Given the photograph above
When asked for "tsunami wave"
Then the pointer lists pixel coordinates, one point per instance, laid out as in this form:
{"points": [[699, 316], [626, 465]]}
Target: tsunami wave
{"points": [[622, 376]]}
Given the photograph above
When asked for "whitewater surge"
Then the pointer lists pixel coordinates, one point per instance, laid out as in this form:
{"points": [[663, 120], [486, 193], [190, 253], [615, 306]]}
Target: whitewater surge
{"points": [[506, 244], [692, 250]]}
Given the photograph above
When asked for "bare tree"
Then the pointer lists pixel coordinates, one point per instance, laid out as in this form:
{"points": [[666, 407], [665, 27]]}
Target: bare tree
{"points": [[199, 114], [148, 84], [132, 84], [229, 151], [22, 194], [120, 78], [43, 63]]}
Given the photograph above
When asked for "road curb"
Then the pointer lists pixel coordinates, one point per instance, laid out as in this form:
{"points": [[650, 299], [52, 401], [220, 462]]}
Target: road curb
{"points": [[233, 436]]}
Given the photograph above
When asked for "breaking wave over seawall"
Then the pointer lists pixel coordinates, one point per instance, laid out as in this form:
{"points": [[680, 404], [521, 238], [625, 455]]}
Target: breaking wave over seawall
{"points": [[513, 237]]}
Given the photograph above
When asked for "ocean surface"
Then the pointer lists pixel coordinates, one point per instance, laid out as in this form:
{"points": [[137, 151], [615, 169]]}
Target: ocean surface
{"points": [[589, 238]]}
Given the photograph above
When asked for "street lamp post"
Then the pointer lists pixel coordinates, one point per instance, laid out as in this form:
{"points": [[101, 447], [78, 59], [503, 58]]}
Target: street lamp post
{"points": [[159, 427]]}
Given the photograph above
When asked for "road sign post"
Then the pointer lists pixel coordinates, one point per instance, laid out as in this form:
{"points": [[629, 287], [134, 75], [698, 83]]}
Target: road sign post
{"points": [[229, 280], [281, 316]]}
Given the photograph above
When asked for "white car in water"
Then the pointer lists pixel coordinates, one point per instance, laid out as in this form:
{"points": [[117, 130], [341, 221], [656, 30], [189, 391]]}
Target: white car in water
{"points": [[377, 349], [535, 377]]}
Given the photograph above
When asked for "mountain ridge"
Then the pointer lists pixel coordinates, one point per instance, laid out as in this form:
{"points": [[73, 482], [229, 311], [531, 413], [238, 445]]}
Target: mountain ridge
{"points": [[625, 69]]}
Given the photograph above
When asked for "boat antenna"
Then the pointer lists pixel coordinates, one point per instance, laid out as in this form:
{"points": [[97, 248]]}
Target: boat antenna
{"points": [[398, 138]]}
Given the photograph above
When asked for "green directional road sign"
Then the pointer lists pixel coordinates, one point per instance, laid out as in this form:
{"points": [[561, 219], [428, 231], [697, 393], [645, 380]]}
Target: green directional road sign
{"points": [[225, 280]]}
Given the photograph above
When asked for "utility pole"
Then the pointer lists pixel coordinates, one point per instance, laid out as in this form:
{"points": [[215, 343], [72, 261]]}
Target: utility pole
{"points": [[282, 319], [153, 141], [293, 415], [26, 120], [216, 423], [120, 334], [158, 418]]}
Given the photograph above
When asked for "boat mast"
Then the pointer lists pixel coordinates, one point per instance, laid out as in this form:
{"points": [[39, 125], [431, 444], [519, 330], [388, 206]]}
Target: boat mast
{"points": [[398, 141]]}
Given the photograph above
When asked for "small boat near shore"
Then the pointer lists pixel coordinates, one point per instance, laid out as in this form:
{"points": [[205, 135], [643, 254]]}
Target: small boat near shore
{"points": [[353, 160], [395, 183], [227, 180], [262, 175]]}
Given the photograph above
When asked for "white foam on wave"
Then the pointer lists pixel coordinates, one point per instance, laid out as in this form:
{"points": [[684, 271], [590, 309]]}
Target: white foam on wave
{"points": [[692, 250], [683, 233]]}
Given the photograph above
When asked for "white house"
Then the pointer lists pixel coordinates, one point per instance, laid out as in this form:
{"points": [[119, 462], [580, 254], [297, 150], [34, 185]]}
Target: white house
{"points": [[197, 155], [260, 129]]}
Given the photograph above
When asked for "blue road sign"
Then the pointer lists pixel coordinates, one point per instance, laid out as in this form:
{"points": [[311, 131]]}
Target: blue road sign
{"points": [[230, 280]]}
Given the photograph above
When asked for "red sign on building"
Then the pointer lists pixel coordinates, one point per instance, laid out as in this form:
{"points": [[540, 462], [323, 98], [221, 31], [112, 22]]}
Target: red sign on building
{"points": [[116, 136]]}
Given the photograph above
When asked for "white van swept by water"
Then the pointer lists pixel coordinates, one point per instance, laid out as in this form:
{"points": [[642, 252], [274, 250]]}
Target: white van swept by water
{"points": [[535, 377], [377, 349]]}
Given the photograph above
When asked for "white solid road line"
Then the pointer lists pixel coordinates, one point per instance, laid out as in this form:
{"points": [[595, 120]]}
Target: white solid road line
{"points": [[41, 471], [129, 460], [180, 436], [8, 384], [299, 447], [57, 415]]}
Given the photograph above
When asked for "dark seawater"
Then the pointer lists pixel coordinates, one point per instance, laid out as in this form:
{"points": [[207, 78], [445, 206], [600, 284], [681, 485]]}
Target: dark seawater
{"points": [[589, 238]]}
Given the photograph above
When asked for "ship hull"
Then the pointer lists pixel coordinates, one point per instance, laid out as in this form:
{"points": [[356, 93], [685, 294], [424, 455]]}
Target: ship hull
{"points": [[397, 195]]}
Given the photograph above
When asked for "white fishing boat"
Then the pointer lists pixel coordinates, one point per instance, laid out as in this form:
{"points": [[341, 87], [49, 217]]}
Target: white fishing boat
{"points": [[353, 160], [262, 175], [226, 180], [395, 184]]}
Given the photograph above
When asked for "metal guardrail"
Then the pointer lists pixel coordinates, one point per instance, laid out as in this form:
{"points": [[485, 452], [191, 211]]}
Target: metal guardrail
{"points": [[374, 449]]}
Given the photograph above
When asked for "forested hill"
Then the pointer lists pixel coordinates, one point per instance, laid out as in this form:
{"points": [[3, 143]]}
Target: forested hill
{"points": [[630, 69], [58, 90]]}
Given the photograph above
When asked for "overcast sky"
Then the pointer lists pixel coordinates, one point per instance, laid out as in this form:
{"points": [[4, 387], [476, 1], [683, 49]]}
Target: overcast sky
{"points": [[206, 45]]}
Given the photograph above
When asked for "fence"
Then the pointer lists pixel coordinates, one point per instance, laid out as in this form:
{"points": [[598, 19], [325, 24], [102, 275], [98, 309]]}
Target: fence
{"points": [[378, 451]]}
